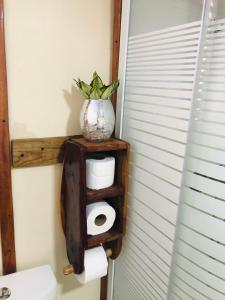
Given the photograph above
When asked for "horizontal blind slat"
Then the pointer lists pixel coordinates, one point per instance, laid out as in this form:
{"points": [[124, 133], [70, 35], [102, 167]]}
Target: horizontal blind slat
{"points": [[181, 46], [167, 85], [164, 207], [168, 29], [180, 33], [160, 92], [163, 110], [195, 283], [206, 168], [158, 130], [157, 119], [151, 230], [190, 37], [206, 185], [162, 52], [213, 155], [208, 279], [166, 158], [204, 202], [202, 259]]}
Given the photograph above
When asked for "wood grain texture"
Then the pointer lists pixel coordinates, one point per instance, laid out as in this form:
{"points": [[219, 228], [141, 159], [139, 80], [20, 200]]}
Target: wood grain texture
{"points": [[111, 192], [75, 196], [110, 145], [74, 204], [104, 284], [50, 150], [122, 175], [116, 44], [6, 204], [102, 238], [38, 152]]}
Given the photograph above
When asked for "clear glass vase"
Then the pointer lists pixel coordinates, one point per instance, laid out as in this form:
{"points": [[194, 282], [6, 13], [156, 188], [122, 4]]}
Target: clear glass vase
{"points": [[97, 119]]}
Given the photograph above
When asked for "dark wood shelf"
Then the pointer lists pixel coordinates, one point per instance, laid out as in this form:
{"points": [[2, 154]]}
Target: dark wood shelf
{"points": [[110, 145], [115, 190], [108, 236]]}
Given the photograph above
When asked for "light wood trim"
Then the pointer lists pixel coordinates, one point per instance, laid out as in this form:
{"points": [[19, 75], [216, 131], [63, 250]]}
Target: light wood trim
{"points": [[38, 152]]}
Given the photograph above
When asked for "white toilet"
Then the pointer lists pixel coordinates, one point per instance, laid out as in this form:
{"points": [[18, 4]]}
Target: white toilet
{"points": [[33, 284]]}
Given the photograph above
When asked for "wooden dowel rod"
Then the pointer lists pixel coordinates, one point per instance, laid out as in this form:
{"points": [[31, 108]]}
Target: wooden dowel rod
{"points": [[70, 269]]}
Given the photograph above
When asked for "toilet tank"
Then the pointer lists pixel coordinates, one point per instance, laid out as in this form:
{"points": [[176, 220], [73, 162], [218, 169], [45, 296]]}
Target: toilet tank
{"points": [[33, 284]]}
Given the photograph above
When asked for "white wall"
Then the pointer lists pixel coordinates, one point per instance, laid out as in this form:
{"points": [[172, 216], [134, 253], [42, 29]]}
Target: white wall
{"points": [[48, 43]]}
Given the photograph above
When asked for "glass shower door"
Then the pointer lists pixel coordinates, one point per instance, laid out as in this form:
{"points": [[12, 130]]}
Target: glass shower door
{"points": [[161, 62], [198, 270]]}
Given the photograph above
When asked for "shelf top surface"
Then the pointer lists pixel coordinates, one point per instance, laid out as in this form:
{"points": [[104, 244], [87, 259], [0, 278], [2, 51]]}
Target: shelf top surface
{"points": [[110, 145]]}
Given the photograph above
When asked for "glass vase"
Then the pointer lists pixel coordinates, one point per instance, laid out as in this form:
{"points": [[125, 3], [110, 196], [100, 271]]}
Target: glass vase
{"points": [[97, 119]]}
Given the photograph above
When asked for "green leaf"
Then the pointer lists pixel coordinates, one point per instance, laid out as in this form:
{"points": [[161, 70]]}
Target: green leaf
{"points": [[96, 81], [84, 88], [96, 89], [95, 93], [102, 89], [109, 90]]}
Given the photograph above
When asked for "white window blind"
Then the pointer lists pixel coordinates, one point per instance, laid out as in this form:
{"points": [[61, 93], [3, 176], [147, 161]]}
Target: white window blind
{"points": [[159, 86]]}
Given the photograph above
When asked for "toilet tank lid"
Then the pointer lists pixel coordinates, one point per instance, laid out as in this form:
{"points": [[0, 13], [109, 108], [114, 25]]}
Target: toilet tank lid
{"points": [[35, 283]]}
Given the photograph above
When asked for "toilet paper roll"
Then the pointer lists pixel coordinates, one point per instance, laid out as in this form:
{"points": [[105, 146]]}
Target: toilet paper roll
{"points": [[100, 217], [95, 265], [100, 172]]}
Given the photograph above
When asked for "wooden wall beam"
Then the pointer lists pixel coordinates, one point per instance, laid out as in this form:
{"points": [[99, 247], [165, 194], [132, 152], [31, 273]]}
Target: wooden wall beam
{"points": [[6, 204], [38, 152], [116, 44]]}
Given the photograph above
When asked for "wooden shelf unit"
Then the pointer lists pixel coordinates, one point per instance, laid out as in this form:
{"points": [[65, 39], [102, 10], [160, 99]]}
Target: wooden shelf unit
{"points": [[75, 197]]}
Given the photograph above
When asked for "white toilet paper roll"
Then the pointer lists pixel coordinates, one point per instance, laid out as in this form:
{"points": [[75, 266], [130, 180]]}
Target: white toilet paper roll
{"points": [[100, 217], [100, 172], [95, 265]]}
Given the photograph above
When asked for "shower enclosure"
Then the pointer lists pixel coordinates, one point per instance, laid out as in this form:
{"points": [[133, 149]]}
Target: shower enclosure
{"points": [[172, 111]]}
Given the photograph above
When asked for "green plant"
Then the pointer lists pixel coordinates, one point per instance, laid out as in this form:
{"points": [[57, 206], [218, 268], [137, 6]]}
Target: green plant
{"points": [[97, 89]]}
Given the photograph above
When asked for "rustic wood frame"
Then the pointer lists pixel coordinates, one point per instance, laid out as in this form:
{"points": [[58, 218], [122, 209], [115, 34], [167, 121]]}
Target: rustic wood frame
{"points": [[6, 204]]}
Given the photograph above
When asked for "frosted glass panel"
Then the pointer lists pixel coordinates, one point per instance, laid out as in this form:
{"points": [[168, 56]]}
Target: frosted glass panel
{"points": [[150, 15], [199, 258], [161, 63]]}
